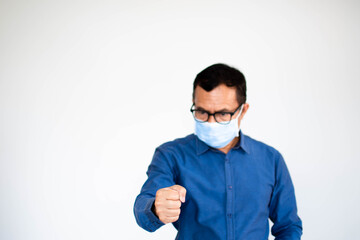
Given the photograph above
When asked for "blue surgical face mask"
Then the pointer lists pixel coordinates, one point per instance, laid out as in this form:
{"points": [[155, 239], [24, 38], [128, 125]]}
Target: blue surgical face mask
{"points": [[217, 135]]}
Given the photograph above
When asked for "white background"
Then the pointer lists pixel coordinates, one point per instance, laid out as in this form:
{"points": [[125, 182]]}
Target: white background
{"points": [[88, 89]]}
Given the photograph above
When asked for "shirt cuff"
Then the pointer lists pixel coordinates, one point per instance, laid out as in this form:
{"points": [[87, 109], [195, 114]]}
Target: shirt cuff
{"points": [[155, 222]]}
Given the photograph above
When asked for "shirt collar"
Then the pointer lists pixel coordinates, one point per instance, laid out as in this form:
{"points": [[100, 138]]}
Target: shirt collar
{"points": [[242, 143], [202, 147]]}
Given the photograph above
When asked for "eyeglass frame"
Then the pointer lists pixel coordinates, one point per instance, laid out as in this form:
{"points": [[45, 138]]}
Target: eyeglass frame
{"points": [[213, 114]]}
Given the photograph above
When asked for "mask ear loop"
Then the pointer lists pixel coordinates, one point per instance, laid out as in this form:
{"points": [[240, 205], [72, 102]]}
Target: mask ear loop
{"points": [[240, 112], [236, 119]]}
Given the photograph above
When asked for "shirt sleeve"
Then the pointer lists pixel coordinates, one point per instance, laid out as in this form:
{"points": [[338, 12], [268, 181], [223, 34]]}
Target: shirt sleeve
{"points": [[160, 175], [283, 209]]}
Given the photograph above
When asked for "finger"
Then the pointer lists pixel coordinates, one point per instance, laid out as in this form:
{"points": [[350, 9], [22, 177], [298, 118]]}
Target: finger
{"points": [[169, 219], [173, 204], [172, 212], [172, 194], [181, 190]]}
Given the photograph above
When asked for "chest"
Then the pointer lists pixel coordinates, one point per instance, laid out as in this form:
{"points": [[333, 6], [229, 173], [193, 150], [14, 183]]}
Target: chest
{"points": [[211, 176]]}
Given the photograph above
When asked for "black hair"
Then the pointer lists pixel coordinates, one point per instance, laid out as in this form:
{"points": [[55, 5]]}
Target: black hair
{"points": [[218, 74]]}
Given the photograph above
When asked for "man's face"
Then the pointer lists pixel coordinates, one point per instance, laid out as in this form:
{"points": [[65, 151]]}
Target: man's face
{"points": [[220, 99]]}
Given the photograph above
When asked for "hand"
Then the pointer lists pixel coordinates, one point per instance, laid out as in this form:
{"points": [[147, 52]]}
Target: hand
{"points": [[168, 202]]}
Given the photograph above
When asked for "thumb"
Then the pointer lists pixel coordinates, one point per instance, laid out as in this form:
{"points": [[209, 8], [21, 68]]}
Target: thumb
{"points": [[181, 190]]}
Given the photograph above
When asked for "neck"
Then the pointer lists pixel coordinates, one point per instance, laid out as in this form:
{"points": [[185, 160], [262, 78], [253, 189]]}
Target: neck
{"points": [[227, 148]]}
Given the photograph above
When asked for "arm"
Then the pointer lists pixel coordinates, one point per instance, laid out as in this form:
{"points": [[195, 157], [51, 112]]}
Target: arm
{"points": [[283, 209], [161, 174]]}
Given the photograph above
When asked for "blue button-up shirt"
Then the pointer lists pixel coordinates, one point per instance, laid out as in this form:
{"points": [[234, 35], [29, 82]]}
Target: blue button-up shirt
{"points": [[229, 196]]}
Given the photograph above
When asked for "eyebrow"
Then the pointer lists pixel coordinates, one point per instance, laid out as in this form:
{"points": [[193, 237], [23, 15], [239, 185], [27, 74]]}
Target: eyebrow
{"points": [[221, 110]]}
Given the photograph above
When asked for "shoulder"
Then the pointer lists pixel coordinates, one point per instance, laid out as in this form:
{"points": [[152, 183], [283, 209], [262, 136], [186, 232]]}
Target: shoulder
{"points": [[264, 154], [260, 149], [179, 144]]}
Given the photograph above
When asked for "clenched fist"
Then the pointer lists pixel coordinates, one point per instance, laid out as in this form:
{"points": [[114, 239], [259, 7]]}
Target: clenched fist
{"points": [[168, 202]]}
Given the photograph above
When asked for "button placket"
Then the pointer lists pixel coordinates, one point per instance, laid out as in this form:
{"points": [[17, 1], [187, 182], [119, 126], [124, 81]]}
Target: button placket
{"points": [[229, 198]]}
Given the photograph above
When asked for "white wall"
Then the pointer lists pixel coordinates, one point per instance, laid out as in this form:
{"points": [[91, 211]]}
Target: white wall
{"points": [[88, 89]]}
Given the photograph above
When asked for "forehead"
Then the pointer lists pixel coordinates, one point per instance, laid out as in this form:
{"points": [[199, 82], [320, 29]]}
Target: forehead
{"points": [[221, 97]]}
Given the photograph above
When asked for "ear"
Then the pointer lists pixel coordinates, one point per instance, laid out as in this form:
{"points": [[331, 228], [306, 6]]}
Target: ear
{"points": [[243, 112]]}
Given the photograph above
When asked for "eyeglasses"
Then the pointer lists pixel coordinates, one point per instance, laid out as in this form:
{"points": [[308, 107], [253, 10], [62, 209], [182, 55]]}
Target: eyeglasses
{"points": [[220, 117]]}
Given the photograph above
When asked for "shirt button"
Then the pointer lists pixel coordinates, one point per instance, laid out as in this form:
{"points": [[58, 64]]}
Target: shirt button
{"points": [[229, 215], [230, 187]]}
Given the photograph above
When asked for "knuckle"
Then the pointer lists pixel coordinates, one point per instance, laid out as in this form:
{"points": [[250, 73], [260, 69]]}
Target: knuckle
{"points": [[174, 195], [159, 212], [157, 203], [162, 214], [176, 204], [168, 193], [163, 220], [160, 192]]}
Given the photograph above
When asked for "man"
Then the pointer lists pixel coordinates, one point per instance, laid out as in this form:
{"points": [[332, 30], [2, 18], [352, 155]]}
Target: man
{"points": [[219, 183]]}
